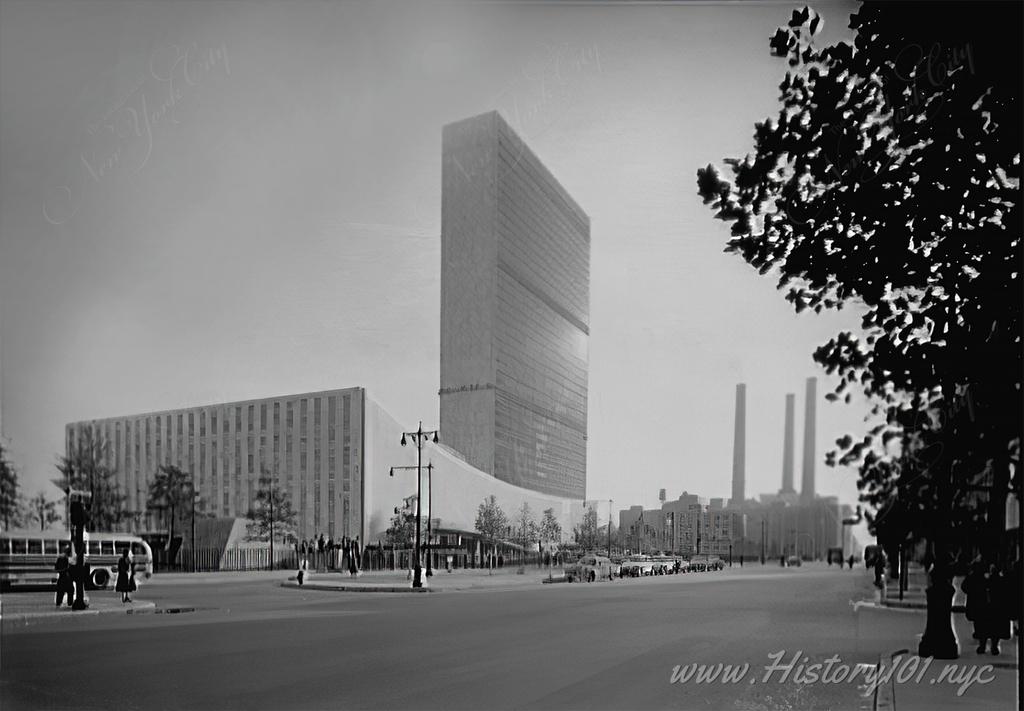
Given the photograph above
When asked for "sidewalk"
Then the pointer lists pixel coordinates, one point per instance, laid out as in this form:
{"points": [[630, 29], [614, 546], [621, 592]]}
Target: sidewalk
{"points": [[398, 581], [25, 608], [973, 681]]}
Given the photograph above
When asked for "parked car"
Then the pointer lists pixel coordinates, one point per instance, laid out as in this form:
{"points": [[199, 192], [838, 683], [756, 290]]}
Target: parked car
{"points": [[590, 568], [638, 566]]}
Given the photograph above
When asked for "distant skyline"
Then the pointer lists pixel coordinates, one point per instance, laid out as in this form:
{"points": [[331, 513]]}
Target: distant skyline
{"points": [[207, 202]]}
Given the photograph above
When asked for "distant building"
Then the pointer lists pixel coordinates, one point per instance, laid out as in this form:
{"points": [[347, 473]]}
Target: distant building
{"points": [[515, 311]]}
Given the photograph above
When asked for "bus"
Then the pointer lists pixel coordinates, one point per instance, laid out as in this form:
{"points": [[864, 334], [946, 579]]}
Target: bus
{"points": [[27, 557]]}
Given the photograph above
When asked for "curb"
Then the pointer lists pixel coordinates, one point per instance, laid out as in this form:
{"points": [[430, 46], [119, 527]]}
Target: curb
{"points": [[357, 588], [140, 608]]}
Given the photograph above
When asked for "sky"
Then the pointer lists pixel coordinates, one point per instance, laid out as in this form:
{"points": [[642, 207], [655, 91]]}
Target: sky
{"points": [[205, 202]]}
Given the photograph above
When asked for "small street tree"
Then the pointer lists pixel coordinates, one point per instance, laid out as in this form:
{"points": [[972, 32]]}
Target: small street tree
{"points": [[171, 491], [525, 531], [272, 517], [402, 531], [491, 522], [88, 467], [550, 528], [43, 511], [10, 496], [586, 533]]}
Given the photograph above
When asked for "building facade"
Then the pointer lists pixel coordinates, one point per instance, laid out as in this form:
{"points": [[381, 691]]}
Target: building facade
{"points": [[331, 451], [515, 311], [310, 444]]}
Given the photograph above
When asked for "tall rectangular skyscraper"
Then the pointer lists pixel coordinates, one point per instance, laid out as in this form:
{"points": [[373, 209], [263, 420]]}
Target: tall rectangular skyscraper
{"points": [[515, 311]]}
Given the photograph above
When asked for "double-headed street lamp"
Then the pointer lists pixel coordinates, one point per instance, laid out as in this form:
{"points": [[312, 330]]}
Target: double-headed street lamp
{"points": [[419, 436]]}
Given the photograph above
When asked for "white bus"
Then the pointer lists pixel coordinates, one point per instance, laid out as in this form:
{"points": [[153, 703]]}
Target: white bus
{"points": [[27, 557]]}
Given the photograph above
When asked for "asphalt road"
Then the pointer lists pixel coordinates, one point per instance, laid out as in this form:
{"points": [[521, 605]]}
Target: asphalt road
{"points": [[605, 645]]}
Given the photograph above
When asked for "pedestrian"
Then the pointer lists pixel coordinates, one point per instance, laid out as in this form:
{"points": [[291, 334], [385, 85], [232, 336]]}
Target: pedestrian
{"points": [[64, 584], [124, 575], [330, 552], [879, 569], [990, 605], [320, 552], [353, 566]]}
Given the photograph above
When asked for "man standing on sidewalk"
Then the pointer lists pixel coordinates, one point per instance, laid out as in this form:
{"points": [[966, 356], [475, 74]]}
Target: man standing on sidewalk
{"points": [[64, 584]]}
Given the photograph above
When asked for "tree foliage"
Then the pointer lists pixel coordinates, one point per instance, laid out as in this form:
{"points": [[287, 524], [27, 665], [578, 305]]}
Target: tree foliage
{"points": [[525, 530], [550, 528], [88, 466], [890, 180], [491, 521], [272, 511], [171, 493], [586, 533], [10, 495], [402, 531], [43, 511]]}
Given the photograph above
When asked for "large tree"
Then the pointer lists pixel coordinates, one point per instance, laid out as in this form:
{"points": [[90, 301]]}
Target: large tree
{"points": [[889, 180], [88, 466]]}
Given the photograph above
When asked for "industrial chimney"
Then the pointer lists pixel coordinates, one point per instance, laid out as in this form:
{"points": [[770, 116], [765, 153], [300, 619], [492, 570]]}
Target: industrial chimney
{"points": [[787, 448], [739, 448], [807, 488]]}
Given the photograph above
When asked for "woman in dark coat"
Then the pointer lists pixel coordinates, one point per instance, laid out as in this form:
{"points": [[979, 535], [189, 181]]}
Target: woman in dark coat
{"points": [[1001, 602], [987, 605], [124, 570]]}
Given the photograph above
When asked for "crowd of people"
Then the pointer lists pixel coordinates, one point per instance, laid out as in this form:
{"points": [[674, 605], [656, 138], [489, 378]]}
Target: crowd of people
{"points": [[326, 554]]}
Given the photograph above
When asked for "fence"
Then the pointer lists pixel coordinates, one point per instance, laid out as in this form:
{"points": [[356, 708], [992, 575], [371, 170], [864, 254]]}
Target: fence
{"points": [[212, 559], [285, 558]]}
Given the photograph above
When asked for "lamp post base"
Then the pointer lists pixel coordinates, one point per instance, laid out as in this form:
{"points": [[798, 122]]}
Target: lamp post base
{"points": [[939, 640]]}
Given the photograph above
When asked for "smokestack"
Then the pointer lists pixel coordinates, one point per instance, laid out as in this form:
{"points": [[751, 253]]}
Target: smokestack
{"points": [[787, 448], [739, 444], [807, 489]]}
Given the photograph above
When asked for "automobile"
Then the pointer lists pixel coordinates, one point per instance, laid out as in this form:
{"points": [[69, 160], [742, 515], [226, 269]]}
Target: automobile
{"points": [[705, 563], [590, 568], [638, 566], [794, 560], [661, 566]]}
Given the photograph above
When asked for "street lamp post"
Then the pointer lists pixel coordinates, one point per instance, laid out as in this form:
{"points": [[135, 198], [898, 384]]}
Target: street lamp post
{"points": [[609, 528], [192, 489], [419, 436]]}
